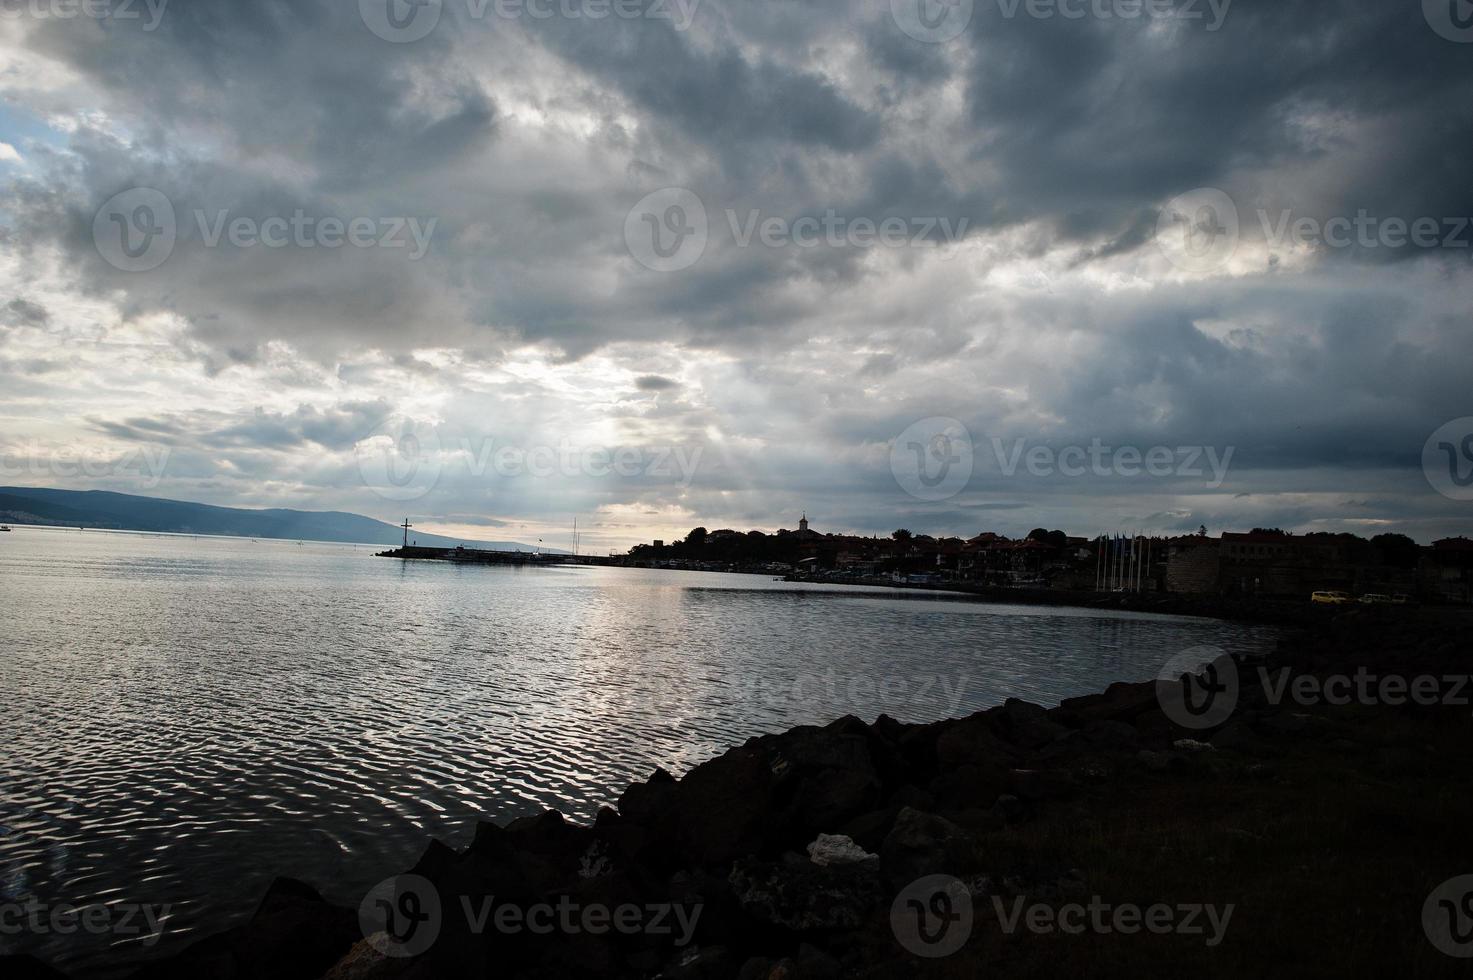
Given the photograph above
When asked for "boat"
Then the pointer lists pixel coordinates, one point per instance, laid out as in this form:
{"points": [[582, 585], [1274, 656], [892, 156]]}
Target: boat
{"points": [[4, 527]]}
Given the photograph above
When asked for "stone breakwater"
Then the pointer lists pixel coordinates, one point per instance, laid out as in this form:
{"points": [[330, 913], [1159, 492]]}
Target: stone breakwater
{"points": [[1099, 837]]}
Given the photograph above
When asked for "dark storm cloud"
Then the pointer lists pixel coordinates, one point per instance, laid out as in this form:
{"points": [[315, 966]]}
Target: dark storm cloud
{"points": [[336, 430], [1090, 120], [726, 99], [1086, 125], [527, 142], [912, 64]]}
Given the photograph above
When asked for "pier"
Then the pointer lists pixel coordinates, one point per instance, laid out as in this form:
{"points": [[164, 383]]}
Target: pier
{"points": [[477, 556]]}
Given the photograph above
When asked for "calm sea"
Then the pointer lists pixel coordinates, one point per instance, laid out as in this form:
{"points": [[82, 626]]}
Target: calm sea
{"points": [[185, 718]]}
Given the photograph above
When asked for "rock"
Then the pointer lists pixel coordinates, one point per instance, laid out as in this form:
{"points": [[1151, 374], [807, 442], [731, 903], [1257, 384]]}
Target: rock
{"points": [[917, 745], [1043, 784], [972, 742], [1192, 745], [496, 863], [868, 830], [755, 968], [27, 967], [978, 821], [725, 808], [1010, 809], [1027, 725], [1234, 735], [1111, 734], [807, 897], [784, 969], [969, 786], [365, 962], [922, 844], [1154, 761], [828, 774], [911, 795], [294, 933], [814, 963], [648, 802], [1120, 702], [830, 849], [708, 963], [1283, 723]]}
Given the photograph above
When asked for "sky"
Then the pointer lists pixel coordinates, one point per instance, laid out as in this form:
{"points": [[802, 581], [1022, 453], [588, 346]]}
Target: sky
{"points": [[978, 265]]}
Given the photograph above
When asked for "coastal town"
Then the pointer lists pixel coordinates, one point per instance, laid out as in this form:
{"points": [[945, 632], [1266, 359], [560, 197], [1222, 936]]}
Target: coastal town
{"points": [[1262, 562]]}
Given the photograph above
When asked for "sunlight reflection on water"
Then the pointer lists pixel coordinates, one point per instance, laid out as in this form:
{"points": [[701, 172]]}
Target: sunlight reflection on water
{"points": [[187, 718]]}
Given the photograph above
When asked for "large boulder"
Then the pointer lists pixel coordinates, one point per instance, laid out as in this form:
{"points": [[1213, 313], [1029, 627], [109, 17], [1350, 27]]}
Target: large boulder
{"points": [[921, 844], [1120, 702], [972, 741], [1026, 725], [825, 777], [294, 933], [721, 808]]}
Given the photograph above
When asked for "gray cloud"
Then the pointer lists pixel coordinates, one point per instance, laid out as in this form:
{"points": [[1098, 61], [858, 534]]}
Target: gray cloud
{"points": [[1053, 319]]}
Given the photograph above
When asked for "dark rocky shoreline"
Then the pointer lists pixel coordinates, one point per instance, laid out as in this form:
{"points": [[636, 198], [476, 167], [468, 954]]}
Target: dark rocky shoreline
{"points": [[1325, 826]]}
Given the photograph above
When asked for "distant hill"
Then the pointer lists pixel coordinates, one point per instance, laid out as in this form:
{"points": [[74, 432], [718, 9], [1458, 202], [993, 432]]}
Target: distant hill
{"points": [[126, 512]]}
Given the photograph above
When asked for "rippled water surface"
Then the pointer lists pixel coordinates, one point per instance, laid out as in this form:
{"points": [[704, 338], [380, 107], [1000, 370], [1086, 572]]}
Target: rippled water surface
{"points": [[183, 719]]}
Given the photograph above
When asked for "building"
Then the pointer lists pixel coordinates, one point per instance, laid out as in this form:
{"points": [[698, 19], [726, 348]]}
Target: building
{"points": [[1446, 570], [1277, 564], [1194, 565]]}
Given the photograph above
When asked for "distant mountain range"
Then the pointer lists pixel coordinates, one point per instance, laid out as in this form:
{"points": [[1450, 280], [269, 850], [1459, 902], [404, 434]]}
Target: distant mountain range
{"points": [[126, 512]]}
